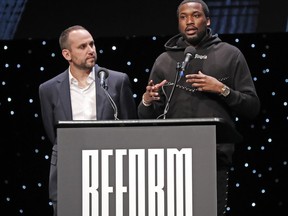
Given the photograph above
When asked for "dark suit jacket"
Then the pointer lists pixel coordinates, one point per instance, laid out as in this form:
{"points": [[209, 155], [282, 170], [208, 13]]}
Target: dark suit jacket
{"points": [[56, 106]]}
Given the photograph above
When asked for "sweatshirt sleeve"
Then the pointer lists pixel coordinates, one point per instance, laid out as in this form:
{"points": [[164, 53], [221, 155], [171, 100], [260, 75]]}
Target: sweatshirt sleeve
{"points": [[243, 99]]}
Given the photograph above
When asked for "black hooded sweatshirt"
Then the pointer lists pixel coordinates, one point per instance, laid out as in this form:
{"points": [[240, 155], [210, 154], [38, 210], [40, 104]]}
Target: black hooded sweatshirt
{"points": [[215, 58]]}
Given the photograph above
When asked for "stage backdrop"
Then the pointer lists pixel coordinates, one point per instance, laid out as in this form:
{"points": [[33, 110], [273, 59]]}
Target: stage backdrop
{"points": [[258, 177], [22, 19]]}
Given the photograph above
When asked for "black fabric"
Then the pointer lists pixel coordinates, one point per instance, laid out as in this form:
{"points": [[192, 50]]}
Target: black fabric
{"points": [[222, 189]]}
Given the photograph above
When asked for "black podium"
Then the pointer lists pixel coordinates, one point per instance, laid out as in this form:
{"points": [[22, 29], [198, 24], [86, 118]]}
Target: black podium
{"points": [[139, 167]]}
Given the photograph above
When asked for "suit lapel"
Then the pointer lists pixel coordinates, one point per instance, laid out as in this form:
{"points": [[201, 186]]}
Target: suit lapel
{"points": [[63, 89]]}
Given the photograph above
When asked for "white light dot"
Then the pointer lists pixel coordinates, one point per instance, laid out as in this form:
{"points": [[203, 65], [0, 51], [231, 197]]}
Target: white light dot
{"points": [[134, 95], [18, 66], [237, 40], [8, 199], [237, 185], [263, 191], [154, 38], [36, 150], [114, 48], [6, 65], [270, 140], [285, 103], [41, 68], [273, 93], [5, 47], [30, 100], [23, 187], [255, 79], [101, 51], [249, 148], [135, 80], [53, 54], [129, 63], [246, 164], [39, 184], [264, 55], [21, 211], [253, 45], [43, 42], [46, 157], [262, 148], [147, 70], [9, 99], [12, 112], [36, 115], [3, 83], [253, 204]]}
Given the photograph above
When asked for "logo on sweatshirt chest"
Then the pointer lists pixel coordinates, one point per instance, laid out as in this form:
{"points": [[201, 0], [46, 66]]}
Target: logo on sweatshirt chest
{"points": [[197, 56]]}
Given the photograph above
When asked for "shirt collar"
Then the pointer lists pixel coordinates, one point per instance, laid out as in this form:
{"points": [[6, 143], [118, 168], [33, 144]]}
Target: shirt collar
{"points": [[90, 78]]}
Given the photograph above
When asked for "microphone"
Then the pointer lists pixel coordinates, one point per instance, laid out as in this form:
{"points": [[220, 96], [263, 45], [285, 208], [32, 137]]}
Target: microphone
{"points": [[189, 53], [103, 74]]}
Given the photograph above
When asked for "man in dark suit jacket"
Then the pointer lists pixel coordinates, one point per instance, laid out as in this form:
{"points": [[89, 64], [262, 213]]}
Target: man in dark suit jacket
{"points": [[76, 93]]}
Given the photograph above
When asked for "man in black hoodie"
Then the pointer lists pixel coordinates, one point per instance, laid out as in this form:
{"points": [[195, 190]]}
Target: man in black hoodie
{"points": [[216, 83]]}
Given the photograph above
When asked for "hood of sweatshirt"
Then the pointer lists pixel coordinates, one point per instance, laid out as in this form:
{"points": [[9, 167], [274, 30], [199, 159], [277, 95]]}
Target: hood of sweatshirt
{"points": [[177, 42]]}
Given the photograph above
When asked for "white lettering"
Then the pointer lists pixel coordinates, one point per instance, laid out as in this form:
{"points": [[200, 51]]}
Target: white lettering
{"points": [[133, 174], [90, 183], [200, 56], [178, 177], [120, 189], [137, 174], [156, 182], [106, 189]]}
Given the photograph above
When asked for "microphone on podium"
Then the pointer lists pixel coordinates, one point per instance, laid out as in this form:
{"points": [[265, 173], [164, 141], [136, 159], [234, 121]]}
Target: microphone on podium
{"points": [[189, 53], [103, 73]]}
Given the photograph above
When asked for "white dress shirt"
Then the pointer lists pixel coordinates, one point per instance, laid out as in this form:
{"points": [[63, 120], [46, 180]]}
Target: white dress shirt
{"points": [[83, 99]]}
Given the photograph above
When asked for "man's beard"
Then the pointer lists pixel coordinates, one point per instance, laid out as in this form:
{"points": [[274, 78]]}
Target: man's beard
{"points": [[85, 66], [196, 39]]}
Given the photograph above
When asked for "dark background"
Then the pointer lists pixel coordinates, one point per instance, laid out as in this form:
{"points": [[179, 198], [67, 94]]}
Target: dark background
{"points": [[46, 19], [258, 178], [30, 55]]}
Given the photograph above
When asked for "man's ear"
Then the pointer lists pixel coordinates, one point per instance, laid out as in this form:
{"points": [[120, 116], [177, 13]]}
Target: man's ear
{"points": [[208, 22], [66, 54]]}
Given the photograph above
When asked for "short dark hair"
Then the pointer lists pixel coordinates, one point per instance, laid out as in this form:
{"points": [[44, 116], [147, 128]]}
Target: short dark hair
{"points": [[63, 39], [204, 6]]}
